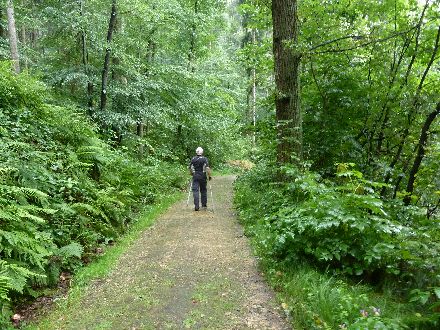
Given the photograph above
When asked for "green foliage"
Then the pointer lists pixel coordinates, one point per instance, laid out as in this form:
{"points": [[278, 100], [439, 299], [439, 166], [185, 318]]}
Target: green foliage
{"points": [[63, 191], [316, 300], [184, 86], [344, 226]]}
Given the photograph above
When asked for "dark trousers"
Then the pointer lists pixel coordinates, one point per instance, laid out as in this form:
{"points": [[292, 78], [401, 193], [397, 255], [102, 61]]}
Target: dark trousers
{"points": [[199, 184]]}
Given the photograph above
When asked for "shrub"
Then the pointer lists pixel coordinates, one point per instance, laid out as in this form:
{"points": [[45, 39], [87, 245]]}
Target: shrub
{"points": [[342, 225]]}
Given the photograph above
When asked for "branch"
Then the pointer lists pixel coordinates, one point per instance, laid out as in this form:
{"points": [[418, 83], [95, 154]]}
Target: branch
{"points": [[373, 41], [355, 37]]}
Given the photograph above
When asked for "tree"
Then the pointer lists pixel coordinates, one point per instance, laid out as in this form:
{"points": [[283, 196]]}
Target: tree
{"points": [[421, 151], [12, 33], [85, 61], [105, 70], [287, 95]]}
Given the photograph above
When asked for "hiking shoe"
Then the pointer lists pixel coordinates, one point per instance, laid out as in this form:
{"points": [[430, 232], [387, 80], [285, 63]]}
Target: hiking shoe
{"points": [[196, 209]]}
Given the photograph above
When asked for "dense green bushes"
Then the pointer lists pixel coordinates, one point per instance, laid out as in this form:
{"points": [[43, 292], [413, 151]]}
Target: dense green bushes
{"points": [[343, 225], [63, 191]]}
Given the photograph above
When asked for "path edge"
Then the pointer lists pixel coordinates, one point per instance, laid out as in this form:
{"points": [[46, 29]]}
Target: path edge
{"points": [[102, 266]]}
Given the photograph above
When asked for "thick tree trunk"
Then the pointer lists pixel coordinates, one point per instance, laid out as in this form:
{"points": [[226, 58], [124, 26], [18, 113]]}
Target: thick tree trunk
{"points": [[423, 140], [287, 64], [12, 32], [105, 71]]}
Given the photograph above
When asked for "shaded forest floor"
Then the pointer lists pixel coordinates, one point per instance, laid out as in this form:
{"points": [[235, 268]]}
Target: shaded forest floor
{"points": [[190, 270]]}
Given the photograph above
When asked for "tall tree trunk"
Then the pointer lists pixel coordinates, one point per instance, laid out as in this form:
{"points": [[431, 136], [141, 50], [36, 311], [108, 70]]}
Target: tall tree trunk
{"points": [[85, 61], [23, 33], [105, 71], [12, 32], [192, 40], [2, 30], [254, 93], [287, 64], [421, 149]]}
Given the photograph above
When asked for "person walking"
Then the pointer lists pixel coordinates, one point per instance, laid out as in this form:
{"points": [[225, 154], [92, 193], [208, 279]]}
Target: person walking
{"points": [[201, 172]]}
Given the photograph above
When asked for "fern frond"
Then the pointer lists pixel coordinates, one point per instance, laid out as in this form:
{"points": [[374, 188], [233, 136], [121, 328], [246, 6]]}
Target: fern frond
{"points": [[89, 210], [23, 195], [5, 286], [24, 214], [17, 276], [74, 249], [6, 215], [7, 173], [92, 154], [21, 246]]}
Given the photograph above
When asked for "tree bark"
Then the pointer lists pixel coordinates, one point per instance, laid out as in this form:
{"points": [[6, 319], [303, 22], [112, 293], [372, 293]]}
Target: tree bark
{"points": [[192, 40], [254, 93], [12, 32], [23, 40], [423, 140], [2, 30], [85, 61], [105, 71], [287, 97]]}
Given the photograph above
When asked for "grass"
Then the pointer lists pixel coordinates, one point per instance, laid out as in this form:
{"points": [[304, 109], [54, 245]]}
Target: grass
{"points": [[104, 265], [316, 300]]}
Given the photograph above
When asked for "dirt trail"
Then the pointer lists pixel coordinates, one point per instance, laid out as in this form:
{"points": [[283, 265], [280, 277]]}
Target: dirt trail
{"points": [[191, 270]]}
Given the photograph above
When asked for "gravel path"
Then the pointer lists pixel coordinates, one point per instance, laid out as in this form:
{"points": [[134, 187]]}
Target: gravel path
{"points": [[191, 270]]}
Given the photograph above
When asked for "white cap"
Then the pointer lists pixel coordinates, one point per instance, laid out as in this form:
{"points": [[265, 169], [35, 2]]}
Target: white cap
{"points": [[199, 151]]}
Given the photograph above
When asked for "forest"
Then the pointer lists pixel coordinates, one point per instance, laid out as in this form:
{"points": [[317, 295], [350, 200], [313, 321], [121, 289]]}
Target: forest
{"points": [[332, 105]]}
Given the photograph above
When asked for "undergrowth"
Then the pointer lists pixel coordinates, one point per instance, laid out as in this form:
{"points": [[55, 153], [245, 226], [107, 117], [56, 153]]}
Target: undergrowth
{"points": [[101, 267], [319, 239], [63, 190]]}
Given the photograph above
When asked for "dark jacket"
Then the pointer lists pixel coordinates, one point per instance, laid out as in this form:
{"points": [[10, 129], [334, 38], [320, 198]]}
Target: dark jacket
{"points": [[198, 167]]}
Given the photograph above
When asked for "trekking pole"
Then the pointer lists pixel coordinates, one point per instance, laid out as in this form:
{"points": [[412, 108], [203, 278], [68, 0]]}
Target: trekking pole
{"points": [[189, 192], [212, 199]]}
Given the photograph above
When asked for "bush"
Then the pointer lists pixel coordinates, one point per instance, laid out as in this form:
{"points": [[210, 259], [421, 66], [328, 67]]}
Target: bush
{"points": [[342, 225]]}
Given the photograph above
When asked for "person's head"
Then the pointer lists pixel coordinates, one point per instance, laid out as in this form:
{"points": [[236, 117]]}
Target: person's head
{"points": [[199, 151]]}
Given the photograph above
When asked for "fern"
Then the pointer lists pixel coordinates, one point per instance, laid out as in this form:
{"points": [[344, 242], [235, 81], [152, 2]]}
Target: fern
{"points": [[72, 250], [90, 210], [7, 174], [23, 195], [5, 286], [15, 276], [92, 154], [26, 248]]}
